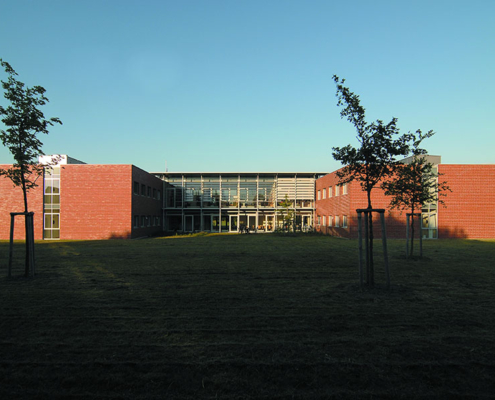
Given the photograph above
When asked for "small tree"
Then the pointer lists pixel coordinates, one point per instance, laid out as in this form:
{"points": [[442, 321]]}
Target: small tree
{"points": [[373, 161], [416, 183], [287, 213], [24, 121]]}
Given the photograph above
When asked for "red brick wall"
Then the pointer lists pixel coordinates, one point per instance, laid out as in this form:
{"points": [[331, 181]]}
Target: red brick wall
{"points": [[470, 207], [349, 203], [335, 205], [95, 201], [147, 206], [11, 200]]}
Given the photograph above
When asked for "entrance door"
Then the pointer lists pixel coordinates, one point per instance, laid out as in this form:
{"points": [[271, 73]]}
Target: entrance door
{"points": [[248, 221], [268, 223], [189, 223], [233, 223]]}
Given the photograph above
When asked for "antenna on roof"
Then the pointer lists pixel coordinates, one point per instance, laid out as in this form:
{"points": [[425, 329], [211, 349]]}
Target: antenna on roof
{"points": [[166, 166]]}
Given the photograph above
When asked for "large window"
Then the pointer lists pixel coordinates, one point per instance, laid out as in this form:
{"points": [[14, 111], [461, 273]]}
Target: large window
{"points": [[51, 203], [330, 188], [344, 221], [324, 193], [337, 190], [344, 188]]}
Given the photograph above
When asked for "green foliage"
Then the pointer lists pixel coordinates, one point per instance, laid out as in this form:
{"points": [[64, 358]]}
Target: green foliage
{"points": [[380, 144], [24, 121], [415, 183], [373, 161], [287, 213]]}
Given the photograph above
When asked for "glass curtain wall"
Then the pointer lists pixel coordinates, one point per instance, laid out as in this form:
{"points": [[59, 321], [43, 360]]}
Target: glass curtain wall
{"points": [[231, 202]]}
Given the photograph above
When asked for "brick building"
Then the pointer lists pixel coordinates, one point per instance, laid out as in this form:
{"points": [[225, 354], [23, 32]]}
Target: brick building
{"points": [[468, 211], [82, 201], [74, 200]]}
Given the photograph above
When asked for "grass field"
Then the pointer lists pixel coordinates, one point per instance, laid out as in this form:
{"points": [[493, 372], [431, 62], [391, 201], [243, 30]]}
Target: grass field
{"points": [[246, 317]]}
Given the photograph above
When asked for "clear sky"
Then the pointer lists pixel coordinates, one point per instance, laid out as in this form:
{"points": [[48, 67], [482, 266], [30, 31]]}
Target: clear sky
{"points": [[232, 85]]}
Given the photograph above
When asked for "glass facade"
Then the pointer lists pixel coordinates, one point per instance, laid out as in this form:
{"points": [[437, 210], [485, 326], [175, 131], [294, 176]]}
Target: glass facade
{"points": [[230, 202]]}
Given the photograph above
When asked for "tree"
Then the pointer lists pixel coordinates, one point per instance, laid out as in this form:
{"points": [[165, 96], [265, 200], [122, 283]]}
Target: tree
{"points": [[416, 182], [23, 121], [373, 161], [287, 213]]}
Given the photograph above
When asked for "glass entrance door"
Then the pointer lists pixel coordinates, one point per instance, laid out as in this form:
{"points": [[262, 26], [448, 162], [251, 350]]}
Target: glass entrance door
{"points": [[233, 223], [248, 221], [189, 223]]}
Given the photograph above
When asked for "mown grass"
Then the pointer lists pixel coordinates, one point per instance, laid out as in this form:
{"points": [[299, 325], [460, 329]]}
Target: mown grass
{"points": [[246, 317]]}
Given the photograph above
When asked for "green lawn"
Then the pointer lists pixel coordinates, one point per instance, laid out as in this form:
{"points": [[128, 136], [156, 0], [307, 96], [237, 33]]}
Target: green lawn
{"points": [[246, 317]]}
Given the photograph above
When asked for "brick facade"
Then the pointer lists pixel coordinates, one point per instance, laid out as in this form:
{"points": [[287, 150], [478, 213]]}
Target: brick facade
{"points": [[468, 211], [12, 200], [346, 204], [96, 202], [123, 201], [148, 205], [471, 205]]}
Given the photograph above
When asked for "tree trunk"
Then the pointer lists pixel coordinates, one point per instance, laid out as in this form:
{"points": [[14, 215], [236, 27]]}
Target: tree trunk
{"points": [[371, 268], [412, 233], [26, 225]]}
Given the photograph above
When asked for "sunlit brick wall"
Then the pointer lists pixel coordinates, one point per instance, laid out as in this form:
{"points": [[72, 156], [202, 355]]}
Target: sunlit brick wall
{"points": [[11, 200], [95, 201], [470, 211], [347, 204]]}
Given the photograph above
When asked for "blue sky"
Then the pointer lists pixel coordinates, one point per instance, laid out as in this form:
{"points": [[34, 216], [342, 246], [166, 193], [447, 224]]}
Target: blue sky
{"points": [[247, 85]]}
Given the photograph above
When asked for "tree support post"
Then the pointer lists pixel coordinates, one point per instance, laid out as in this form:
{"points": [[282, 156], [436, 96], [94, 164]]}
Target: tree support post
{"points": [[408, 225], [367, 248], [11, 246], [385, 249], [367, 212], [360, 239], [31, 267], [29, 225]]}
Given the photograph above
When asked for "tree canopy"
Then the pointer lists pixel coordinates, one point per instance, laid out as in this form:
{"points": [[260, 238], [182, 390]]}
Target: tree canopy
{"points": [[24, 121]]}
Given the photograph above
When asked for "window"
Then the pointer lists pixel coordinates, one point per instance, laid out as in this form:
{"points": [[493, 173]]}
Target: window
{"points": [[143, 221], [136, 187], [158, 197], [136, 218], [344, 188], [319, 220], [324, 193], [330, 188], [330, 220], [51, 203], [143, 190], [337, 190], [154, 193], [149, 191], [324, 221], [337, 221], [344, 221], [319, 194], [148, 220]]}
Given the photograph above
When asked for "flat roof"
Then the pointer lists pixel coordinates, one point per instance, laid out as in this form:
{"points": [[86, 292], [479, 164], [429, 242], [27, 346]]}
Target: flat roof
{"points": [[239, 173]]}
